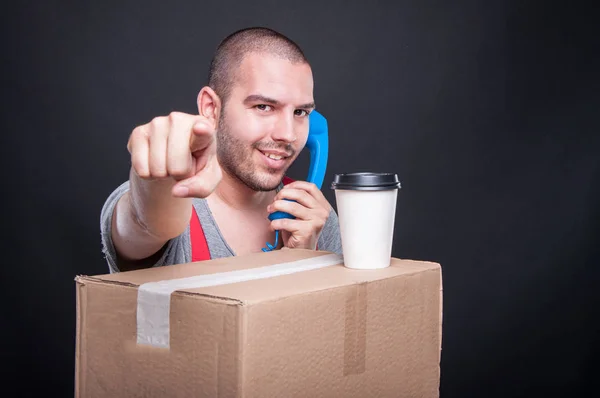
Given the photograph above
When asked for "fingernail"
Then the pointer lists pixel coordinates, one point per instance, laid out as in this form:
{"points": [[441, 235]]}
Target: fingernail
{"points": [[181, 190]]}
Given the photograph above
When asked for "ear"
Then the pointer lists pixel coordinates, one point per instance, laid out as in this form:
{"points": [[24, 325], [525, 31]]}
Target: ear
{"points": [[209, 104]]}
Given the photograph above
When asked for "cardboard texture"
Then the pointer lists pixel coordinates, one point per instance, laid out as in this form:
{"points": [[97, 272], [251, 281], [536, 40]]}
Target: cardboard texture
{"points": [[326, 332]]}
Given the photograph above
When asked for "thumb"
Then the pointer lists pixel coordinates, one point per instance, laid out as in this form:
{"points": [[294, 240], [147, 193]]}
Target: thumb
{"points": [[202, 184]]}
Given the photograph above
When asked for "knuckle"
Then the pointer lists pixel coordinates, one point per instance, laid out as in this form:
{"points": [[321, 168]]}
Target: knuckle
{"points": [[317, 224], [176, 116], [158, 125], [158, 168], [135, 132], [160, 173], [156, 121], [178, 171], [135, 138], [139, 168], [202, 121], [324, 215], [138, 132]]}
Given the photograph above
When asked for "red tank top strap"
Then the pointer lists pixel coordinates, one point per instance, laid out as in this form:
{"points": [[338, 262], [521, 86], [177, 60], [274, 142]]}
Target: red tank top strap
{"points": [[287, 180], [198, 242]]}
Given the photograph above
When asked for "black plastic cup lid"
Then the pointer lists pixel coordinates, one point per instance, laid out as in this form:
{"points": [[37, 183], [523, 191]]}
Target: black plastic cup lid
{"points": [[366, 181]]}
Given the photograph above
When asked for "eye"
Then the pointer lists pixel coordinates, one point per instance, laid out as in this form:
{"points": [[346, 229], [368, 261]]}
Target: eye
{"points": [[264, 107], [300, 112]]}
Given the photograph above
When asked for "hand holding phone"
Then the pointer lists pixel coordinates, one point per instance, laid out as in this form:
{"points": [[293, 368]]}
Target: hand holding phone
{"points": [[309, 210]]}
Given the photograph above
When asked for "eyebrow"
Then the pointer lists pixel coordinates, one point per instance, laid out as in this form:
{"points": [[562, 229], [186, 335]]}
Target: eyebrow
{"points": [[261, 98]]}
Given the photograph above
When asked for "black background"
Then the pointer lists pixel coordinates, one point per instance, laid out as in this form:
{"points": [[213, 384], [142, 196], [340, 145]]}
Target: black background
{"points": [[488, 112]]}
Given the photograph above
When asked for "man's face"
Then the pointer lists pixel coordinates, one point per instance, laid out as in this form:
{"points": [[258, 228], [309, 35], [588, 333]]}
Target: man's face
{"points": [[264, 122]]}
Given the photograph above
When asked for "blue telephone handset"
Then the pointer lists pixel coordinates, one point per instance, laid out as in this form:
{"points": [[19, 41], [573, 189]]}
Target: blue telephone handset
{"points": [[318, 146]]}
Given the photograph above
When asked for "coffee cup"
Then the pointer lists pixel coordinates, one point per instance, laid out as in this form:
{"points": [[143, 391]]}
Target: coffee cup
{"points": [[366, 207]]}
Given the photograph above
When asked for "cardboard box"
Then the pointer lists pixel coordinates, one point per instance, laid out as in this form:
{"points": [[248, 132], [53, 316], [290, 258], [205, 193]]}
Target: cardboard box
{"points": [[288, 323]]}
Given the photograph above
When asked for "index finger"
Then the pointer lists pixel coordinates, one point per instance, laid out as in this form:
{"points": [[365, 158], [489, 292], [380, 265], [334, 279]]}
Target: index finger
{"points": [[305, 186], [203, 134], [311, 188]]}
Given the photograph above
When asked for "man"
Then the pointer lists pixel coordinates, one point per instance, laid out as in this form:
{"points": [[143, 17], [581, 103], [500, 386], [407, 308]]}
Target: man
{"points": [[223, 167]]}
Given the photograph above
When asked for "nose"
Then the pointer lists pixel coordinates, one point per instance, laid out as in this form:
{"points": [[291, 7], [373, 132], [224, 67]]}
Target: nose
{"points": [[284, 129]]}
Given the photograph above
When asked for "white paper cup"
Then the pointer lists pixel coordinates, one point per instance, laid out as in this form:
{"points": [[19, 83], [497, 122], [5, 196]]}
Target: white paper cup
{"points": [[366, 206]]}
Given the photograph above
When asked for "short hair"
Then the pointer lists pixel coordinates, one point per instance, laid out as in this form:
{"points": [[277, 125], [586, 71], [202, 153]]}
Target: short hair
{"points": [[231, 51]]}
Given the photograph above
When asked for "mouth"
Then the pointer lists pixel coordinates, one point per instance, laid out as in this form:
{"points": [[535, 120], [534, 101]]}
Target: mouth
{"points": [[274, 159]]}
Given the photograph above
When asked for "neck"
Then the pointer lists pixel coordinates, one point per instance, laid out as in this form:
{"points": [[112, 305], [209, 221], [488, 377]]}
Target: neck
{"points": [[237, 195]]}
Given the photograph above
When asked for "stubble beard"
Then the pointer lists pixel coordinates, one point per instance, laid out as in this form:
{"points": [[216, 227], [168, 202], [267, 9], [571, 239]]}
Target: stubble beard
{"points": [[235, 158]]}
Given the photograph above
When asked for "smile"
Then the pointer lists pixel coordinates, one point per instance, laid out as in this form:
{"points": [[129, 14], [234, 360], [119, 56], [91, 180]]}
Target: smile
{"points": [[274, 156], [273, 160]]}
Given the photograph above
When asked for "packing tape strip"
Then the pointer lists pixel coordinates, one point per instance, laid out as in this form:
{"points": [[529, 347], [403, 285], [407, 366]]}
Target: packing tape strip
{"points": [[154, 298], [355, 332]]}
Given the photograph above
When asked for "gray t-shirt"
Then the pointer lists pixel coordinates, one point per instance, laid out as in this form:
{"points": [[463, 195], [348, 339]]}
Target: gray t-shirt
{"points": [[178, 250]]}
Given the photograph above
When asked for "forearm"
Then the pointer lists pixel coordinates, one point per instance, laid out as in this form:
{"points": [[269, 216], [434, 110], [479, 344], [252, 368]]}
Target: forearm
{"points": [[147, 216]]}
